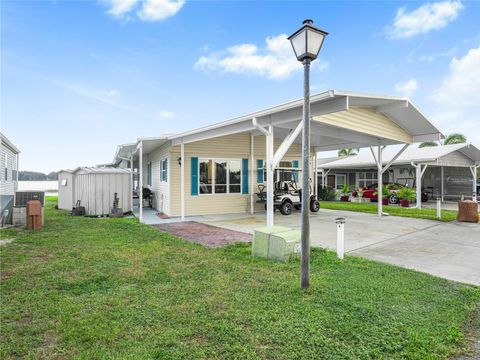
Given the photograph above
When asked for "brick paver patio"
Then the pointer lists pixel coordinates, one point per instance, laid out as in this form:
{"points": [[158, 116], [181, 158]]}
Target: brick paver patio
{"points": [[207, 235]]}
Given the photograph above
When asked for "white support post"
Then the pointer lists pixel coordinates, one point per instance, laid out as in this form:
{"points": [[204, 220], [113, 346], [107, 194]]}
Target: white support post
{"points": [[270, 189], [182, 180], [252, 173], [441, 182], [418, 184], [315, 176], [379, 181], [340, 237], [473, 169], [439, 208], [140, 182], [131, 182]]}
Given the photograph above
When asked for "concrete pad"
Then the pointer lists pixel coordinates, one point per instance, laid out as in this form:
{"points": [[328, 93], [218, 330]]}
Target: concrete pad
{"points": [[449, 250]]}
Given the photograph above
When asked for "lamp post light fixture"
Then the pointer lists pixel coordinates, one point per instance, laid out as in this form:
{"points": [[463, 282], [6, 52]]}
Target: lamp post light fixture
{"points": [[306, 42]]}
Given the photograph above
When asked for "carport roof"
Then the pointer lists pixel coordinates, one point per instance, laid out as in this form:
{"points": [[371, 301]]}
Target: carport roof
{"points": [[394, 120], [418, 155]]}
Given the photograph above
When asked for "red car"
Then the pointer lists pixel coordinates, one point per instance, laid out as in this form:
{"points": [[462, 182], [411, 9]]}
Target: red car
{"points": [[370, 192]]}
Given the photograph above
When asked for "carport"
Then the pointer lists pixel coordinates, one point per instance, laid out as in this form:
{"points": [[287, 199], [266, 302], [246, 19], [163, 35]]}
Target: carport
{"points": [[445, 168], [339, 120]]}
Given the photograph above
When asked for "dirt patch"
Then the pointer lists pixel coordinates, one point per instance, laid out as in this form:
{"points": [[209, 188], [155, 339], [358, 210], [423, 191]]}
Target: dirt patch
{"points": [[207, 235], [6, 241]]}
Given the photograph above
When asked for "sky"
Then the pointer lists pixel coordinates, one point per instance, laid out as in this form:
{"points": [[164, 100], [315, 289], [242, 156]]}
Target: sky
{"points": [[80, 77]]}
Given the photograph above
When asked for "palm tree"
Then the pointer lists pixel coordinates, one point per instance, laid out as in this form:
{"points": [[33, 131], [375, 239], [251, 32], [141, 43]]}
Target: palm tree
{"points": [[348, 152], [428, 144], [455, 138]]}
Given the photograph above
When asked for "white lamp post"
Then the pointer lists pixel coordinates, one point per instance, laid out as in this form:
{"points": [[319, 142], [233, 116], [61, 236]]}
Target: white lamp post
{"points": [[306, 43]]}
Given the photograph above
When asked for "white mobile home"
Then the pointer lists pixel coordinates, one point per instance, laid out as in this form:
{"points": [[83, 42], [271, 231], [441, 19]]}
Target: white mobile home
{"points": [[94, 187], [448, 170], [217, 169], [9, 155]]}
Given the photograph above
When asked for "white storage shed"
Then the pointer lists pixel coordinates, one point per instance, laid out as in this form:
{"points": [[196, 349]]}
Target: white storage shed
{"points": [[95, 187]]}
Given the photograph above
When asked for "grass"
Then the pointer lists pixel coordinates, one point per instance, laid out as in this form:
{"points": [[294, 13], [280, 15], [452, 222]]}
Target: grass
{"points": [[113, 288], [424, 213]]}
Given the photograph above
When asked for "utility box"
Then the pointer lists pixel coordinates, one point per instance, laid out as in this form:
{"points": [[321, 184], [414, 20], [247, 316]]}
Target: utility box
{"points": [[284, 244], [34, 215], [261, 239], [22, 198], [467, 211]]}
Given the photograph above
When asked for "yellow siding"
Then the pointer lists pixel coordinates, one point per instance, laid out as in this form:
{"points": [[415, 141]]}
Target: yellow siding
{"points": [[367, 121], [226, 147]]}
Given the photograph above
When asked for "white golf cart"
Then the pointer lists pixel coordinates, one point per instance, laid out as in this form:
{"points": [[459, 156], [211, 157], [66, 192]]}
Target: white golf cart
{"points": [[287, 195]]}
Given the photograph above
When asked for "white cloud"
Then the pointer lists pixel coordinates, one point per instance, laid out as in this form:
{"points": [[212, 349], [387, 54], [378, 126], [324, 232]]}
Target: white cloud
{"points": [[155, 10], [165, 114], [275, 61], [147, 10], [428, 17], [121, 7], [407, 88], [456, 102], [462, 85]]}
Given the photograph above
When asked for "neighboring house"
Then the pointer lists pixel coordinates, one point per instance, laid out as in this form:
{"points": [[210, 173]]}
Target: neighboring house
{"points": [[446, 170], [217, 169], [9, 155]]}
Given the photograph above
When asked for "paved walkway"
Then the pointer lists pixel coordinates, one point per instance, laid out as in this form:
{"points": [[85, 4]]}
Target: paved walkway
{"points": [[448, 250]]}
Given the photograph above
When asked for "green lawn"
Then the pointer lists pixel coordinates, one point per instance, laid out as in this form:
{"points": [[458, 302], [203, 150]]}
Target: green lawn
{"points": [[113, 288], [447, 215]]}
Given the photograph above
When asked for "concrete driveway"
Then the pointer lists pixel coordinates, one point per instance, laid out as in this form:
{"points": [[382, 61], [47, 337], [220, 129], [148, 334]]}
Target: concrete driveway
{"points": [[448, 250]]}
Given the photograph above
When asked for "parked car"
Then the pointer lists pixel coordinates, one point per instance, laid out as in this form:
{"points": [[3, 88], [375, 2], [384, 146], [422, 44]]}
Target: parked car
{"points": [[370, 192]]}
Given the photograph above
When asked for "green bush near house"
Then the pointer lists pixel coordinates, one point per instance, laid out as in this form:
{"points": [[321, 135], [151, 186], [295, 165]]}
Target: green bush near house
{"points": [[424, 213], [92, 288]]}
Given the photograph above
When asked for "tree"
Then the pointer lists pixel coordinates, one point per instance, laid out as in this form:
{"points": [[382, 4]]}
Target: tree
{"points": [[455, 138], [348, 152], [428, 144]]}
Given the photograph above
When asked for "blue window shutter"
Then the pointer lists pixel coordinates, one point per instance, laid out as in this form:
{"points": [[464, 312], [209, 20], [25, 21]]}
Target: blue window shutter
{"points": [[244, 176], [259, 171], [194, 176], [166, 169], [295, 173]]}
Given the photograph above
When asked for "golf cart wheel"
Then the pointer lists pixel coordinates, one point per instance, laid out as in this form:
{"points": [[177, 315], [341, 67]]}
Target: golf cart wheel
{"points": [[393, 199], [297, 207], [286, 208], [424, 197], [314, 206]]}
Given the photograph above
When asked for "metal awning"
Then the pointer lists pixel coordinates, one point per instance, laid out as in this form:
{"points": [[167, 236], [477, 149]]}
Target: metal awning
{"points": [[426, 155]]}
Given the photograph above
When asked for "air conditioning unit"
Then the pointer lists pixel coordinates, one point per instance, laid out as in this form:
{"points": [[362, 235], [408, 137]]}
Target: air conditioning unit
{"points": [[20, 205], [22, 197]]}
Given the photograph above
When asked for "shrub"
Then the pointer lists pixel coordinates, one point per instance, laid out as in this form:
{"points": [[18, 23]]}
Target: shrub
{"points": [[326, 193], [407, 194]]}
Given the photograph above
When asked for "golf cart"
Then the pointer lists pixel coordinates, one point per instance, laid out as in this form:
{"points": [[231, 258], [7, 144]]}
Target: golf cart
{"points": [[286, 196]]}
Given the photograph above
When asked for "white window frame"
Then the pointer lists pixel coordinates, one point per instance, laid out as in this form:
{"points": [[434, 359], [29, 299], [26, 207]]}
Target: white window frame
{"points": [[164, 170], [227, 160], [373, 179]]}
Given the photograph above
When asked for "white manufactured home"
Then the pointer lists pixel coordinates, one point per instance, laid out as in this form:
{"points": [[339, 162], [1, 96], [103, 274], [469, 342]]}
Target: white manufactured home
{"points": [[217, 169], [9, 156], [448, 171]]}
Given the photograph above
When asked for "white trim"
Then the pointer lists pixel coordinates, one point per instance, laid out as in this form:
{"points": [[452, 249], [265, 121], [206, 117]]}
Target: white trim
{"points": [[252, 173]]}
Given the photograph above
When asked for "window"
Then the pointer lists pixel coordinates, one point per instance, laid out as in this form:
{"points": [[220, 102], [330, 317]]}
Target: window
{"points": [[64, 182], [220, 176], [366, 179], [6, 167], [164, 170], [149, 173]]}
